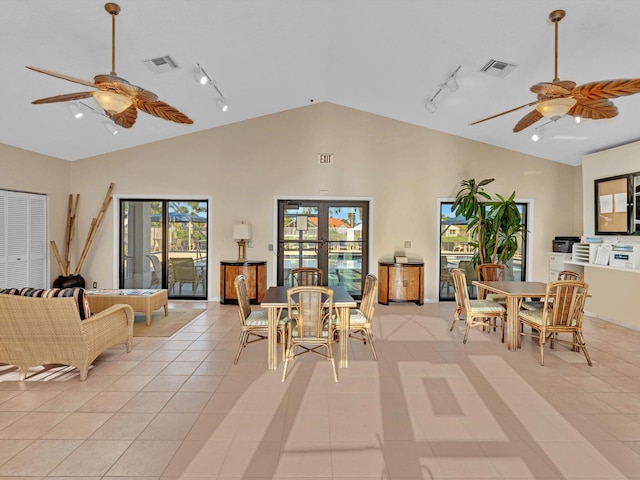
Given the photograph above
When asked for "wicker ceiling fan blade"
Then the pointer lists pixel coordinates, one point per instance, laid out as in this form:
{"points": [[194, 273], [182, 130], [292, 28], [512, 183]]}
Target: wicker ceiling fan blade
{"points": [[503, 113], [529, 119], [607, 88], [126, 118], [163, 110], [63, 98], [594, 109], [63, 77]]}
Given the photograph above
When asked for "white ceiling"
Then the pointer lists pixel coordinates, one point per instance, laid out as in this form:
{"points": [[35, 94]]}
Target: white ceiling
{"points": [[386, 57]]}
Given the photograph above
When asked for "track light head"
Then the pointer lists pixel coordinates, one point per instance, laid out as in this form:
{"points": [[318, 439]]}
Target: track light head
{"points": [[222, 104], [201, 76], [111, 128], [452, 83], [75, 111], [537, 135], [432, 107]]}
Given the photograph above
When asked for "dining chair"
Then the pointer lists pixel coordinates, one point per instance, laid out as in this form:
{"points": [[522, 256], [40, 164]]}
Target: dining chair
{"points": [[470, 273], [563, 275], [306, 276], [478, 313], [564, 316], [446, 282], [360, 318], [309, 330], [184, 271], [490, 272], [156, 274], [253, 323]]}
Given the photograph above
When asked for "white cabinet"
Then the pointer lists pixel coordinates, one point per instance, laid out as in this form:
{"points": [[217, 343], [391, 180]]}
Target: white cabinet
{"points": [[23, 242], [556, 264]]}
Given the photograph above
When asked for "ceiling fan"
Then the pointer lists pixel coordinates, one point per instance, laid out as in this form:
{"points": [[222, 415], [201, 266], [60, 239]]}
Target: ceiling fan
{"points": [[563, 97], [119, 99]]}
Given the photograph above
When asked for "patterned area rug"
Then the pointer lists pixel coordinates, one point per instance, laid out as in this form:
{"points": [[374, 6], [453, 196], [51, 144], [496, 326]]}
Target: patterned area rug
{"points": [[162, 326]]}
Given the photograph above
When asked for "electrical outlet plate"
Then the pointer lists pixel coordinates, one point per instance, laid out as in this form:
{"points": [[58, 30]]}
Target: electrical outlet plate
{"points": [[407, 244]]}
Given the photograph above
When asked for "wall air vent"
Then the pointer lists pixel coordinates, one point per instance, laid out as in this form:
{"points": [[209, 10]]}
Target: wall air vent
{"points": [[161, 64], [497, 68]]}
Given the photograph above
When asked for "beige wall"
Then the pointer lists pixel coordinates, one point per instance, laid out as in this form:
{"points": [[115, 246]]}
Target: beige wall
{"points": [[609, 288], [403, 168], [25, 171]]}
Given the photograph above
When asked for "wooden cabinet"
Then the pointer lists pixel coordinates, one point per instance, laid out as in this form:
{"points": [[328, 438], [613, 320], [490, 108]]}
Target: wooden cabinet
{"points": [[254, 271], [400, 282]]}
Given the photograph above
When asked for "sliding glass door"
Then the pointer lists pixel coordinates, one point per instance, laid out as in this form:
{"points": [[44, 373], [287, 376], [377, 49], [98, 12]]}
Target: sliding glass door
{"points": [[455, 252], [331, 235], [163, 244]]}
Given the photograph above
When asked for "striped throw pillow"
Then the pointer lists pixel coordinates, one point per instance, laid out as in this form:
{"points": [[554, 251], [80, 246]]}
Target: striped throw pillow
{"points": [[77, 293]]}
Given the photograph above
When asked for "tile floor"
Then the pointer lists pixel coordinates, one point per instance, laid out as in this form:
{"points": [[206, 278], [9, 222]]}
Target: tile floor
{"points": [[431, 407]]}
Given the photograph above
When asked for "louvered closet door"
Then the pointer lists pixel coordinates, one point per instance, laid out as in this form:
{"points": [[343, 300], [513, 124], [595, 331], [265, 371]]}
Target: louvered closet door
{"points": [[22, 240]]}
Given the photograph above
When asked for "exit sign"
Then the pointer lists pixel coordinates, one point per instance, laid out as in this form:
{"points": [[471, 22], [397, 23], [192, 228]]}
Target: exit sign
{"points": [[325, 158]]}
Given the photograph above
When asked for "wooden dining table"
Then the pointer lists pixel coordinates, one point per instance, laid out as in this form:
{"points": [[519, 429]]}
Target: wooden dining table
{"points": [[275, 301], [514, 292]]}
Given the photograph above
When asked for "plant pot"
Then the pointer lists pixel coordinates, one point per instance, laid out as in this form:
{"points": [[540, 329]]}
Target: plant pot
{"points": [[67, 281]]}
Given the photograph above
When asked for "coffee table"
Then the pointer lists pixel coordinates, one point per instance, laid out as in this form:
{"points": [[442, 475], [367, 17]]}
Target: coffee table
{"points": [[145, 301]]}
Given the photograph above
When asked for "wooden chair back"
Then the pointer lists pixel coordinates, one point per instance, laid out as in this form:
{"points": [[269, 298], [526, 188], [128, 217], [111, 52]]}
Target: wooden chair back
{"points": [[314, 307], [490, 272], [460, 289], [244, 304], [569, 275], [567, 312], [368, 294], [306, 277]]}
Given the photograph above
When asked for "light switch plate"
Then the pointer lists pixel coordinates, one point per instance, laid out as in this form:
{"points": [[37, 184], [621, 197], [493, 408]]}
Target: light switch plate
{"points": [[407, 244]]}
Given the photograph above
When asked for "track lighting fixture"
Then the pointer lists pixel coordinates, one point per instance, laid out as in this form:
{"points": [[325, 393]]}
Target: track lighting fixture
{"points": [[203, 78], [109, 125], [451, 83], [75, 111]]}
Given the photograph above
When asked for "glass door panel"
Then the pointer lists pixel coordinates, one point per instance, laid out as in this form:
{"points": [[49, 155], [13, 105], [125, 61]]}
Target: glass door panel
{"points": [[300, 243], [164, 245], [455, 252], [345, 247]]}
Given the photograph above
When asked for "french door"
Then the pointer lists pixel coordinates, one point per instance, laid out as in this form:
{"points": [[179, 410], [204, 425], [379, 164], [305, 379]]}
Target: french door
{"points": [[328, 234], [163, 244]]}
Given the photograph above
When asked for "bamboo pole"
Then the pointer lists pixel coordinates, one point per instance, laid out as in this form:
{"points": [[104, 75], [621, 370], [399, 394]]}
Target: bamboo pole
{"points": [[71, 221], [63, 270], [95, 224]]}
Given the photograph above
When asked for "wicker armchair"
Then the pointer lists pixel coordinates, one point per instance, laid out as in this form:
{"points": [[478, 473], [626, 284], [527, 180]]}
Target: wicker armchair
{"points": [[42, 331]]}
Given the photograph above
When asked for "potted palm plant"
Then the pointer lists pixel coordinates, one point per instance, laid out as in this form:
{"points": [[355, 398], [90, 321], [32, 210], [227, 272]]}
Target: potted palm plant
{"points": [[495, 223]]}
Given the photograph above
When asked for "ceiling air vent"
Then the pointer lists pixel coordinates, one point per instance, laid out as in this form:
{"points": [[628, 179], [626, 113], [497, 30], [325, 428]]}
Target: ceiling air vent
{"points": [[497, 68], [161, 64]]}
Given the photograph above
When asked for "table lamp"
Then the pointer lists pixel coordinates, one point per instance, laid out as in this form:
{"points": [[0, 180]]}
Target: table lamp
{"points": [[242, 233]]}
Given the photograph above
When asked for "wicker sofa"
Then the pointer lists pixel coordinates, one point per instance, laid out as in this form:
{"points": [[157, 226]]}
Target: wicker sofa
{"points": [[40, 331]]}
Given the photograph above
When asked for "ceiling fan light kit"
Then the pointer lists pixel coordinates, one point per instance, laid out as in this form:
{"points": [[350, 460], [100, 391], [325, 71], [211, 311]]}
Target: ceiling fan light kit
{"points": [[112, 103], [119, 99], [562, 97], [556, 107]]}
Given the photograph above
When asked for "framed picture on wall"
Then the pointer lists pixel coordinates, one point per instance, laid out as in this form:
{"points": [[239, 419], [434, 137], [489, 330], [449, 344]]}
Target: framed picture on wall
{"points": [[613, 205]]}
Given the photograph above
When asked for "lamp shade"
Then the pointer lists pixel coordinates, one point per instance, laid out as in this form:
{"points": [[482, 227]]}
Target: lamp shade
{"points": [[112, 102], [241, 231], [556, 107]]}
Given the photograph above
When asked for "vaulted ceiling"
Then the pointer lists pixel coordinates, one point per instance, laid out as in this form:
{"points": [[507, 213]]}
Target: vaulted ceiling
{"points": [[386, 57]]}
